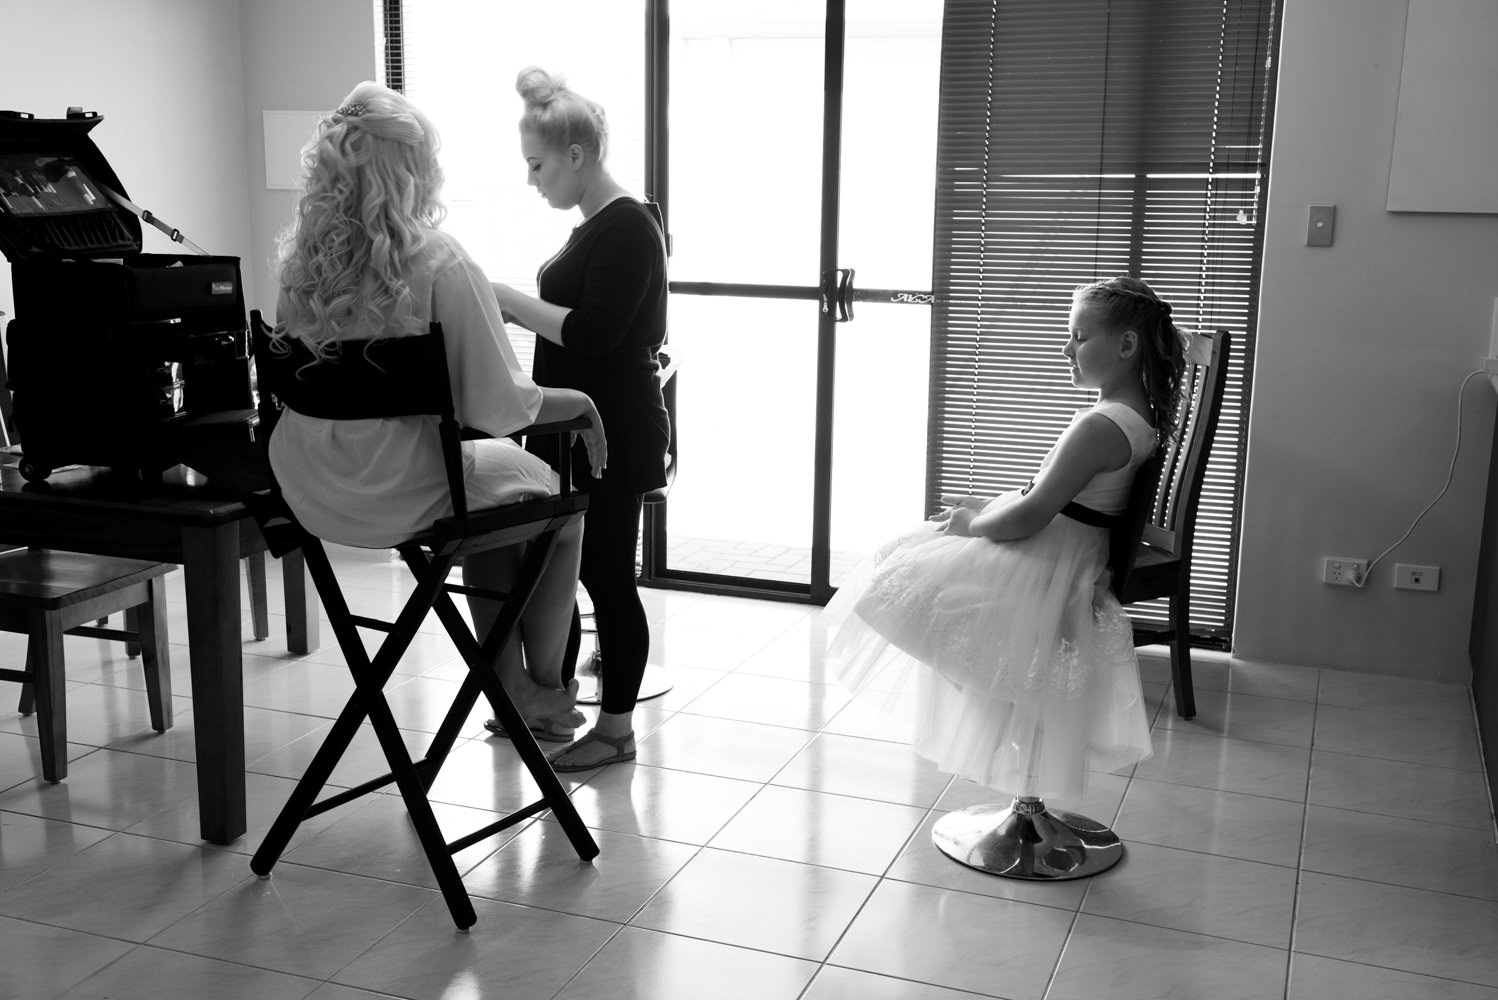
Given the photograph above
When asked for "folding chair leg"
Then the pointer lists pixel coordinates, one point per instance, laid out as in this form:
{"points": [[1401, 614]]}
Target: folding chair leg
{"points": [[304, 796], [419, 808], [368, 701], [480, 674], [415, 778], [1180, 655]]}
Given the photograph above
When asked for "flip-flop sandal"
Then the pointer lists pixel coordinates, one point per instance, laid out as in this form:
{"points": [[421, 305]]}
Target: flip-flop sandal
{"points": [[542, 731], [624, 749]]}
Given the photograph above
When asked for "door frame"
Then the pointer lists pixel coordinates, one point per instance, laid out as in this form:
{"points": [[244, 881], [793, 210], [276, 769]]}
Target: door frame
{"points": [[834, 292]]}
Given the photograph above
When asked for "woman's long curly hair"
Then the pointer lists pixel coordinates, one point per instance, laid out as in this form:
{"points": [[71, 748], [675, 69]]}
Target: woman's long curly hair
{"points": [[370, 199], [1130, 304]]}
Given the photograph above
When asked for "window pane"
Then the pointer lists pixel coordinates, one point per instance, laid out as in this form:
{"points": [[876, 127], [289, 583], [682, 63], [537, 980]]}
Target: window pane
{"points": [[746, 401], [746, 141], [461, 60]]}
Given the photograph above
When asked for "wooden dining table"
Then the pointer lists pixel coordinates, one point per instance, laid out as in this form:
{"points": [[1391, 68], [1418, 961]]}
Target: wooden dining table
{"points": [[187, 520]]}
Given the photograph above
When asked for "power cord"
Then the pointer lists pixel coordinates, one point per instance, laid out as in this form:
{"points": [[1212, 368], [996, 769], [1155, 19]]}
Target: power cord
{"points": [[1359, 581]]}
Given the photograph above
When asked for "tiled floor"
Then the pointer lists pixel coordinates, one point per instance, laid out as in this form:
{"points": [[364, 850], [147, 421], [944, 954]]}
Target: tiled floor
{"points": [[1310, 835]]}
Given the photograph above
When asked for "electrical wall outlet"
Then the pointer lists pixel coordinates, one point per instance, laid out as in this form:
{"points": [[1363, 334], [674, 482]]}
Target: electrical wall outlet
{"points": [[1344, 572], [1409, 577]]}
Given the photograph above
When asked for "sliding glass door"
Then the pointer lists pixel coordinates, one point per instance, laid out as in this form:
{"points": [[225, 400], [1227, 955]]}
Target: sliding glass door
{"points": [[791, 146], [797, 178]]}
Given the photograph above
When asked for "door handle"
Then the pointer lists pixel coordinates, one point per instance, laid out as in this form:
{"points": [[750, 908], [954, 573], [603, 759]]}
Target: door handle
{"points": [[837, 293]]}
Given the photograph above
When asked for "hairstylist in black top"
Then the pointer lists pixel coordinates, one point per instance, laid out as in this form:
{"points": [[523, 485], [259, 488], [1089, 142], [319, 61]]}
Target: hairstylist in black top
{"points": [[599, 321]]}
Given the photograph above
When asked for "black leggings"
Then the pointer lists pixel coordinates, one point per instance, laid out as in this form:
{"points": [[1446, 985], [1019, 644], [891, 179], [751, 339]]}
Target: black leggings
{"points": [[611, 534]]}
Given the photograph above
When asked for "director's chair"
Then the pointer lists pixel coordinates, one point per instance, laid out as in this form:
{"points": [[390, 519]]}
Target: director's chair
{"points": [[404, 376]]}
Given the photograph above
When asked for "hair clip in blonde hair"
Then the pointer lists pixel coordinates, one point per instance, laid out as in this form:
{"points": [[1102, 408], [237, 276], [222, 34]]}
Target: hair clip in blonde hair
{"points": [[352, 111]]}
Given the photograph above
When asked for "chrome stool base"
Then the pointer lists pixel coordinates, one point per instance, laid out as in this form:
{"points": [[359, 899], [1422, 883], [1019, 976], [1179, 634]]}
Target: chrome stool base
{"points": [[590, 681], [1025, 839]]}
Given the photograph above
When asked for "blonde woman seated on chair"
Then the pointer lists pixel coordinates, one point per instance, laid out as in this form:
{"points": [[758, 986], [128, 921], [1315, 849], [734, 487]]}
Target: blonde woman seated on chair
{"points": [[364, 259]]}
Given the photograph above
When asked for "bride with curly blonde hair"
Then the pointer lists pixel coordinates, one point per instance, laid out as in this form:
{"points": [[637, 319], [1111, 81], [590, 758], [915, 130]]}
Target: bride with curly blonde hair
{"points": [[365, 259], [372, 197]]}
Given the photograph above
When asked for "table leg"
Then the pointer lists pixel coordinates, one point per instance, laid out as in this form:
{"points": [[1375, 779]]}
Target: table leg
{"points": [[303, 632], [211, 575]]}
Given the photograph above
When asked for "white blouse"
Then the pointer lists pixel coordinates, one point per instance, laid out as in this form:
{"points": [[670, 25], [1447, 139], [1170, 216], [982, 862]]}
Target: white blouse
{"points": [[377, 482]]}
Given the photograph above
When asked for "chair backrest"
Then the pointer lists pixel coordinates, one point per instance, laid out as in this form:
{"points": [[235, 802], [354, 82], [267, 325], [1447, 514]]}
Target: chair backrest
{"points": [[1161, 516], [670, 373], [390, 377]]}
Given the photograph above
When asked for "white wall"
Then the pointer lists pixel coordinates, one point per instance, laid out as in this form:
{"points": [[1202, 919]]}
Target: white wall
{"points": [[1361, 348], [168, 79], [298, 56], [181, 85]]}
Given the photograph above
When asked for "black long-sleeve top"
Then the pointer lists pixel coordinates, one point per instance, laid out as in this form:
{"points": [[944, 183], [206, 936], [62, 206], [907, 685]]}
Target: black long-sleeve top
{"points": [[612, 275]]}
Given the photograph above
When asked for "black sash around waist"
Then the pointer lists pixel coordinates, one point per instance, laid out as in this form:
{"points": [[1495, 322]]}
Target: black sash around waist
{"points": [[1078, 512]]}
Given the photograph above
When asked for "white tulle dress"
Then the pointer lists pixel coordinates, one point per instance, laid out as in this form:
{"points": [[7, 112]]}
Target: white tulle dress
{"points": [[1024, 670]]}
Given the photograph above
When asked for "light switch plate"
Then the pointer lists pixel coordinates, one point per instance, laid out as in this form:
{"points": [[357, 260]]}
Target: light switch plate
{"points": [[1320, 220]]}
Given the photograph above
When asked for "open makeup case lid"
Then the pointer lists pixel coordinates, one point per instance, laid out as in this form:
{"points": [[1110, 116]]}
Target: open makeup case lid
{"points": [[58, 194]]}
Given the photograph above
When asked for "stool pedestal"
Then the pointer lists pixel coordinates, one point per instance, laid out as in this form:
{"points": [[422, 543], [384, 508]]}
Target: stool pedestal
{"points": [[590, 681], [1026, 839]]}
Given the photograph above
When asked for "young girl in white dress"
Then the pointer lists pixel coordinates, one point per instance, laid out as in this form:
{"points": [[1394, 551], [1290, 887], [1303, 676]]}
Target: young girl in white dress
{"points": [[1025, 670]]}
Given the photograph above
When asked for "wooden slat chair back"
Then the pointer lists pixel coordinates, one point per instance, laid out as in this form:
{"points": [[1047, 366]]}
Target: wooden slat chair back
{"points": [[1151, 550]]}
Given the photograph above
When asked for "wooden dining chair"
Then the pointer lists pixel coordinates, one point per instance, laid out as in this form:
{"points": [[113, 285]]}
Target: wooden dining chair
{"points": [[1150, 553], [46, 594]]}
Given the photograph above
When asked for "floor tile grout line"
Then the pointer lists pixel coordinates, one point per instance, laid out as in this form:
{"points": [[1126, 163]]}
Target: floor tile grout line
{"points": [[1301, 849], [1129, 783]]}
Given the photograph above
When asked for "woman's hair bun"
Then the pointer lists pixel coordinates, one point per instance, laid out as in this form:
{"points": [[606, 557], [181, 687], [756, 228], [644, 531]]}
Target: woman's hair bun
{"points": [[538, 87]]}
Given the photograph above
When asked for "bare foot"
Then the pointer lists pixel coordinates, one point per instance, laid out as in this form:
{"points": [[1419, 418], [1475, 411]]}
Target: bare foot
{"points": [[548, 703], [536, 702]]}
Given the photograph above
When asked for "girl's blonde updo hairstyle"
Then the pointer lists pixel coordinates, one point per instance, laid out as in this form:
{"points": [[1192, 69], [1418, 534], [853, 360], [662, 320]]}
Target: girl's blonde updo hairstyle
{"points": [[371, 195], [561, 117]]}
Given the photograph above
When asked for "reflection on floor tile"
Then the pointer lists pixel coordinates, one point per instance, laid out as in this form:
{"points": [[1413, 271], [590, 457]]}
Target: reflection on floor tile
{"points": [[1414, 930], [1315, 978], [961, 941], [1310, 835], [639, 964], [540, 866], [1200, 893], [172, 975], [1391, 736], [780, 906], [1123, 960], [1421, 855], [1458, 797], [525, 951], [816, 828], [1201, 819]]}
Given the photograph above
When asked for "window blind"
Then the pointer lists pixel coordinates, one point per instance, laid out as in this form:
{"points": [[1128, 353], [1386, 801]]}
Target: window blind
{"points": [[392, 20], [1083, 139]]}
